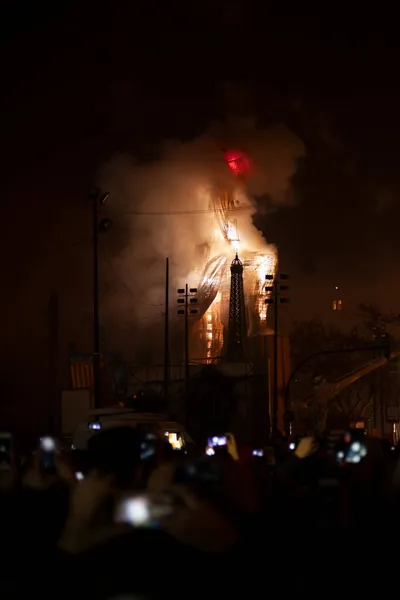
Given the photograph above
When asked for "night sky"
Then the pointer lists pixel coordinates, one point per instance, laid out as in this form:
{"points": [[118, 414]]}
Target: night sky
{"points": [[79, 84]]}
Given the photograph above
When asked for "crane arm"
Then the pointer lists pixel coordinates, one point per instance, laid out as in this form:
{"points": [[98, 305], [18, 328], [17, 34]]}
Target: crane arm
{"points": [[326, 393]]}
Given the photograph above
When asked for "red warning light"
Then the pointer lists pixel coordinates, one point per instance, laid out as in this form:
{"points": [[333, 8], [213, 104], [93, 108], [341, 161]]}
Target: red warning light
{"points": [[237, 162]]}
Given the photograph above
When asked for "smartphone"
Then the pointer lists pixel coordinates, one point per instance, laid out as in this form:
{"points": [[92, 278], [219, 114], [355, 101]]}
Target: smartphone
{"points": [[79, 476], [258, 452], [96, 426], [217, 441], [142, 511], [292, 446], [6, 451], [48, 450]]}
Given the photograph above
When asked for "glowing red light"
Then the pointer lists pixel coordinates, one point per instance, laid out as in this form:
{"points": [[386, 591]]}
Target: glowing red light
{"points": [[237, 162]]}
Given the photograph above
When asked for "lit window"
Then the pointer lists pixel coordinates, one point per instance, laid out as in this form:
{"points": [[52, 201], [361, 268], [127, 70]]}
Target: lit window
{"points": [[337, 305], [209, 327]]}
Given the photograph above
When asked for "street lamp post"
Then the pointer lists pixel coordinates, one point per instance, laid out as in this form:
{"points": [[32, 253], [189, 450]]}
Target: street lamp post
{"points": [[274, 290], [187, 299], [97, 198]]}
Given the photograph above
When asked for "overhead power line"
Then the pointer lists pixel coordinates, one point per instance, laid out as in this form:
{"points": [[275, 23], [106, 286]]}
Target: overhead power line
{"points": [[181, 212]]}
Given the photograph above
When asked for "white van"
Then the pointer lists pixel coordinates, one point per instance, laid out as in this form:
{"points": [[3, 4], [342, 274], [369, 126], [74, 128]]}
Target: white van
{"points": [[106, 418]]}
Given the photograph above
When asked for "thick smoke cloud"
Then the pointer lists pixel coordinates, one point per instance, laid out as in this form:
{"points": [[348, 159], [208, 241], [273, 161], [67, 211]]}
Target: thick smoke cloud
{"points": [[162, 209]]}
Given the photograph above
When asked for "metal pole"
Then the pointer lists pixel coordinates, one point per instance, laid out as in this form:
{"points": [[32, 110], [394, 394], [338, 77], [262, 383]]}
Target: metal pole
{"points": [[380, 394], [187, 336], [275, 388], [54, 400], [374, 394], [382, 404], [166, 334], [96, 320]]}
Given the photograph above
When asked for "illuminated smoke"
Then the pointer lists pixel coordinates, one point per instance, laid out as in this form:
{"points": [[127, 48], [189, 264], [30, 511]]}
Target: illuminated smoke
{"points": [[165, 209]]}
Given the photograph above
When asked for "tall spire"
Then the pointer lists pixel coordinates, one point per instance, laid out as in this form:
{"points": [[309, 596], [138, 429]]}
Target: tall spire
{"points": [[237, 317]]}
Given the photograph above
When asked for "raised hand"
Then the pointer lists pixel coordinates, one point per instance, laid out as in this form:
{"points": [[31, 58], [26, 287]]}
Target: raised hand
{"points": [[87, 496], [306, 447], [231, 446]]}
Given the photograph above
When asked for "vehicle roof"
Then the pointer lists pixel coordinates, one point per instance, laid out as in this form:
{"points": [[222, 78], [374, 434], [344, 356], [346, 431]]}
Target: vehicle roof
{"points": [[82, 434], [116, 421], [120, 416]]}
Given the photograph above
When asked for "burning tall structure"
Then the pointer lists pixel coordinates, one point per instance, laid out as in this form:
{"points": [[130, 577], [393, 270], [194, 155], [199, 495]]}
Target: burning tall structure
{"points": [[237, 314], [225, 242], [195, 204]]}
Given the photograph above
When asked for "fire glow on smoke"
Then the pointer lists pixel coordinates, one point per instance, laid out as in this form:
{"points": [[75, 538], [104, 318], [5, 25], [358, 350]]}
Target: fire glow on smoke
{"points": [[237, 162]]}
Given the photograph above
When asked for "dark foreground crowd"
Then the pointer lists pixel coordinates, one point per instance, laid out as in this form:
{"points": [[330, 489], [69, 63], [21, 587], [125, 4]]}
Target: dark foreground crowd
{"points": [[131, 518]]}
